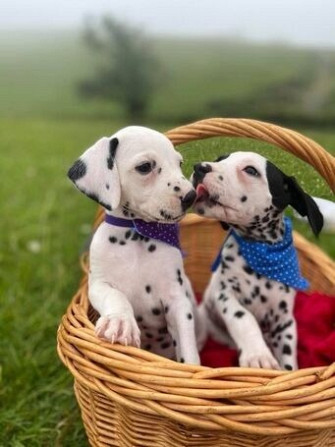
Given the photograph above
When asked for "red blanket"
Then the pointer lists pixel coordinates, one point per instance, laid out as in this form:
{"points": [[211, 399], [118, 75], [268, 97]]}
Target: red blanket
{"points": [[315, 314]]}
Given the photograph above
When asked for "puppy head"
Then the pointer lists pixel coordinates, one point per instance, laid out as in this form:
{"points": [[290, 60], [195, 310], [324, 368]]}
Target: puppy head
{"points": [[237, 187], [138, 171]]}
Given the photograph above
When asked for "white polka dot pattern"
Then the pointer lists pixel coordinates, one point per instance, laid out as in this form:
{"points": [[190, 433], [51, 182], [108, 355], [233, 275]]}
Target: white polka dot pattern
{"points": [[277, 261]]}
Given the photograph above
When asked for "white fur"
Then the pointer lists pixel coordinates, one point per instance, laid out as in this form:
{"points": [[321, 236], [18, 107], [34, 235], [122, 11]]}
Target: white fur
{"points": [[140, 296], [235, 197]]}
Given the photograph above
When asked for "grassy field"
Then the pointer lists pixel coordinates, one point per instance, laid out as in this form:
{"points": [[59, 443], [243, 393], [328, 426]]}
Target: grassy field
{"points": [[45, 222]]}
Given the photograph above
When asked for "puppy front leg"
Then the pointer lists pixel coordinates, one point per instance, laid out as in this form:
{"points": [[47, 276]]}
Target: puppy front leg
{"points": [[200, 318], [181, 326], [284, 342], [117, 322], [245, 332]]}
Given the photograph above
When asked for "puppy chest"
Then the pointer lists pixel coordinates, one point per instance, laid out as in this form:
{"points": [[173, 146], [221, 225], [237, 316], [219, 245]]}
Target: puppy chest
{"points": [[235, 279]]}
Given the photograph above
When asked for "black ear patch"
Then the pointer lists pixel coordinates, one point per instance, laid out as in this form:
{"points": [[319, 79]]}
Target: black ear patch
{"points": [[222, 157], [278, 188], [305, 205], [113, 144], [77, 170], [286, 191]]}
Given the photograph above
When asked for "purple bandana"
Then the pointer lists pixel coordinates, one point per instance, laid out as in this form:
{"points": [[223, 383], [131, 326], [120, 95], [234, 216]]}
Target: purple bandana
{"points": [[167, 233]]}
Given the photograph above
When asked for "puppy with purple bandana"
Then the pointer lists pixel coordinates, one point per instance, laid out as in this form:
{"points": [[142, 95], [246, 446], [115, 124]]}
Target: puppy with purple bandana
{"points": [[137, 281], [249, 300]]}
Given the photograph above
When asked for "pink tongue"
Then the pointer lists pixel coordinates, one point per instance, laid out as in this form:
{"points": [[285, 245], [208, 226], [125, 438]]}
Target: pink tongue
{"points": [[202, 192]]}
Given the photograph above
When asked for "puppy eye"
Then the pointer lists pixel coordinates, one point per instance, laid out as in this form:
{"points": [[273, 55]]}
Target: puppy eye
{"points": [[250, 170], [144, 168]]}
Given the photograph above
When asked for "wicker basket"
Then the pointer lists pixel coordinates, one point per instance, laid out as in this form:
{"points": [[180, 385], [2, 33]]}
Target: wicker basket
{"points": [[130, 397]]}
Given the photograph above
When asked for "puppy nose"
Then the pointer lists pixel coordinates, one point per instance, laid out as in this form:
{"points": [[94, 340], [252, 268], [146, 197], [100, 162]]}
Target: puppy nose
{"points": [[201, 169], [187, 200]]}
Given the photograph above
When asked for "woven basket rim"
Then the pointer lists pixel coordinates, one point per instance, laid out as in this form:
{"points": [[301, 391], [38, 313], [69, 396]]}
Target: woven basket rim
{"points": [[251, 401]]}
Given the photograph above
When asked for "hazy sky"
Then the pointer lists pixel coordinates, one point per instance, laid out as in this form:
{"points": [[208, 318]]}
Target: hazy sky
{"points": [[306, 22]]}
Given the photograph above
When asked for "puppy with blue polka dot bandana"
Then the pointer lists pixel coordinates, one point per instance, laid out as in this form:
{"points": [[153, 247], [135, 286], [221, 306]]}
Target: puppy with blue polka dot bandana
{"points": [[249, 300], [136, 280]]}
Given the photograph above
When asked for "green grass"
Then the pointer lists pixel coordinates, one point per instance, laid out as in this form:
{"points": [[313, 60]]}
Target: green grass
{"points": [[41, 209], [45, 222]]}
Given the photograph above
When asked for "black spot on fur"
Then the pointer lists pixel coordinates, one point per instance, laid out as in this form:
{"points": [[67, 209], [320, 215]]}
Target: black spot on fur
{"points": [[289, 336], [189, 316], [255, 292], [287, 350], [244, 198], [163, 330], [283, 305], [148, 289], [122, 243], [112, 239], [236, 288], [165, 345], [77, 170], [182, 360], [139, 319], [112, 150], [148, 335], [248, 269], [128, 234], [268, 285], [179, 278], [174, 343], [280, 328], [263, 299], [239, 314], [229, 258], [156, 311], [151, 248], [166, 309], [288, 367]]}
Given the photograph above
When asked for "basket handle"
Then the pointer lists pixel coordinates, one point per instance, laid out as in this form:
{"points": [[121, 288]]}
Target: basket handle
{"points": [[289, 140]]}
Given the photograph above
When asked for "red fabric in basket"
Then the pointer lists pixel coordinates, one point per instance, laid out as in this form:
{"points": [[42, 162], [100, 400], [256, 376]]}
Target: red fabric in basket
{"points": [[315, 315]]}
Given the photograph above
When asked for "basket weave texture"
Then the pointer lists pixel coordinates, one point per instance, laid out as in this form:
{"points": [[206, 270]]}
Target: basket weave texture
{"points": [[130, 397]]}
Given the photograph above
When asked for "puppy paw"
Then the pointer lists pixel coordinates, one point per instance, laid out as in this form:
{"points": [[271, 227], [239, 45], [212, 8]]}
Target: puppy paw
{"points": [[258, 359], [117, 329]]}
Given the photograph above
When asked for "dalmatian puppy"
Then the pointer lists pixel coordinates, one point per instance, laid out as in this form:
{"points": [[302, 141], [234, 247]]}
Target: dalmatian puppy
{"points": [[250, 297], [137, 281]]}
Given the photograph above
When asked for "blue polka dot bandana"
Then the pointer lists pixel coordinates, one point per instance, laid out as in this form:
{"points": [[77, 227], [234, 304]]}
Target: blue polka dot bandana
{"points": [[277, 261], [167, 233]]}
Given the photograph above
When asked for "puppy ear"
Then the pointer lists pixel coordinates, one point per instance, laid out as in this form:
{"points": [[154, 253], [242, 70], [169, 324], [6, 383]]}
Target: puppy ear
{"points": [[305, 205], [95, 173], [222, 157], [286, 191]]}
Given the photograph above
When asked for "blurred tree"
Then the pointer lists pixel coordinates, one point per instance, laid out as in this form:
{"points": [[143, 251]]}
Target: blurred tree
{"points": [[129, 72]]}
